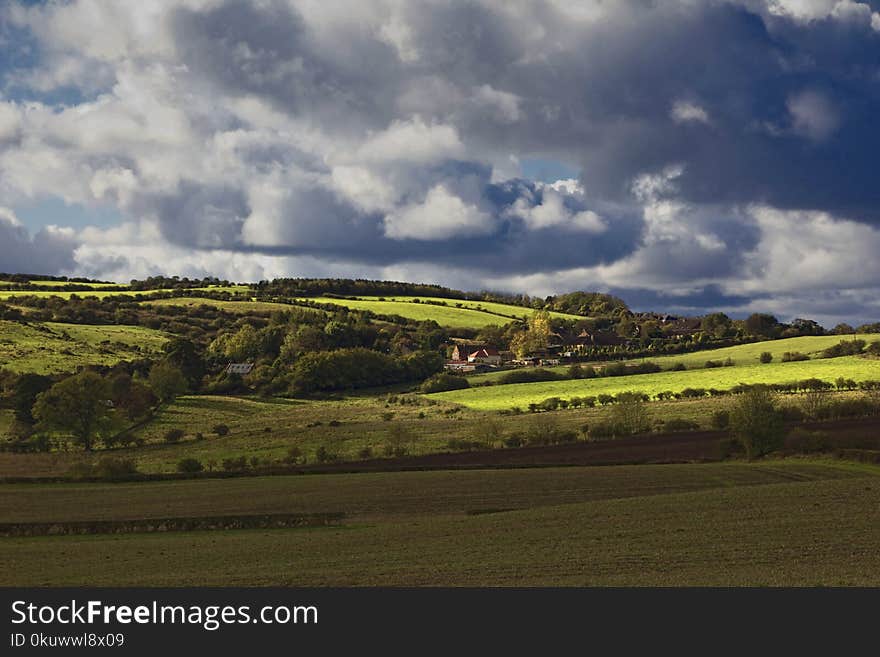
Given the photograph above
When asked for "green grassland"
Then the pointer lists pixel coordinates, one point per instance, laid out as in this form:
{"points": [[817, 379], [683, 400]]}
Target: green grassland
{"points": [[744, 354], [505, 309], [453, 313], [51, 347], [63, 283], [307, 426], [243, 307], [445, 316], [499, 397], [778, 523], [100, 294]]}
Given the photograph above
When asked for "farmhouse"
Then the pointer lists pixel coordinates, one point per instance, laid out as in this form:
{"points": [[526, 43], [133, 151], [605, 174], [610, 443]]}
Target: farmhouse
{"points": [[242, 369], [598, 339], [486, 355]]}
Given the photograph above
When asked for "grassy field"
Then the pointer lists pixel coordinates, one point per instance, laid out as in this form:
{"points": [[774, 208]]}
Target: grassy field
{"points": [[507, 310], [63, 283], [745, 354], [307, 426], [243, 307], [52, 347], [499, 397], [454, 313], [445, 316], [779, 523], [11, 294]]}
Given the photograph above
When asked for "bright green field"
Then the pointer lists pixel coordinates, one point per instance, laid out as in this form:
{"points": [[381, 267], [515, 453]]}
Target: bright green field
{"points": [[243, 307], [443, 315], [512, 312], [53, 347], [63, 283], [796, 524], [499, 397], [9, 294], [744, 354]]}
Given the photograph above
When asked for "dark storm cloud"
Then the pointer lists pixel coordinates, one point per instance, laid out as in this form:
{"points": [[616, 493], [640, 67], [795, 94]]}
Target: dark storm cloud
{"points": [[394, 133]]}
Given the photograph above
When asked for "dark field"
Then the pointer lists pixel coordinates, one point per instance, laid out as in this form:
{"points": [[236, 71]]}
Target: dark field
{"points": [[784, 522]]}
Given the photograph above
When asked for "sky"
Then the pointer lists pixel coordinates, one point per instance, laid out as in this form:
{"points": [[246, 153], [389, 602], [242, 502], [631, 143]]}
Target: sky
{"points": [[686, 155]]}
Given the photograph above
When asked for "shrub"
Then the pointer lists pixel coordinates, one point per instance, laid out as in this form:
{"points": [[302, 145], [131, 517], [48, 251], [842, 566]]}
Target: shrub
{"points": [[110, 468], [603, 431], [387, 416], [514, 440], [792, 414], [189, 465], [720, 419], [680, 424], [766, 357], [801, 440], [678, 367], [757, 423], [442, 381], [173, 435], [293, 455], [220, 429], [235, 464], [334, 423], [844, 348], [630, 414], [793, 356], [365, 453], [530, 376], [728, 447], [460, 444]]}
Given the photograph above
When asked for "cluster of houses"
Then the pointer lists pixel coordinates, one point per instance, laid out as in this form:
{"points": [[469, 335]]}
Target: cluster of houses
{"points": [[469, 357], [474, 358]]}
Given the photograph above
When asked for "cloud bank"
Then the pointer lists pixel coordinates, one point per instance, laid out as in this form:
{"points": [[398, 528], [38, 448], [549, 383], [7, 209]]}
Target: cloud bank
{"points": [[725, 148]]}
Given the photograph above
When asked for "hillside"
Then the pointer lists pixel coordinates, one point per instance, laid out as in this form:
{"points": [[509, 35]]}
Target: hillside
{"points": [[50, 347], [505, 397]]}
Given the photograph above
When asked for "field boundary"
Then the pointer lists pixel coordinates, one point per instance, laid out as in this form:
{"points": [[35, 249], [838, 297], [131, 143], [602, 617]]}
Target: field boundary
{"points": [[181, 524]]}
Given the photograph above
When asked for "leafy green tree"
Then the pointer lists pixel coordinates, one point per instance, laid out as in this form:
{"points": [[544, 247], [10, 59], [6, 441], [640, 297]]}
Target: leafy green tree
{"points": [[24, 395], [756, 422], [766, 357], [763, 324], [79, 405], [167, 381], [629, 415], [535, 338], [185, 355]]}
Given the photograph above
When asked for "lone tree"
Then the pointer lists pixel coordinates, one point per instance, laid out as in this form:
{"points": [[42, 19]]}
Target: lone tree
{"points": [[629, 415], [757, 423], [79, 405], [167, 381]]}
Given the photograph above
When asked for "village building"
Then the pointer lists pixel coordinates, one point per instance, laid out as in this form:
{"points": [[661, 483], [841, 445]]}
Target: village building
{"points": [[242, 369], [486, 355]]}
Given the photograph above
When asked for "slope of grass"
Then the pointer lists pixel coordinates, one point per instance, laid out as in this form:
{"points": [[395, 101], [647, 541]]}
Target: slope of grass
{"points": [[53, 347], [507, 310], [242, 307], [415, 530], [744, 354], [63, 283], [100, 294], [498, 397], [444, 315]]}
